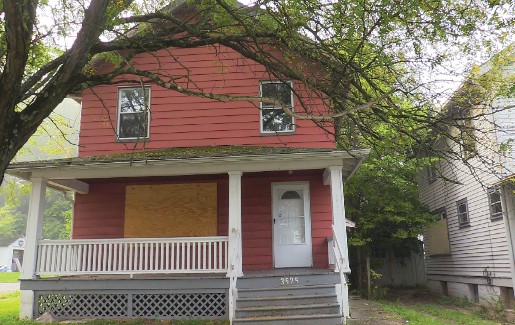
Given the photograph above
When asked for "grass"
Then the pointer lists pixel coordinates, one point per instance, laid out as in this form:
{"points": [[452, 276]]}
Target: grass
{"points": [[417, 306], [9, 277]]}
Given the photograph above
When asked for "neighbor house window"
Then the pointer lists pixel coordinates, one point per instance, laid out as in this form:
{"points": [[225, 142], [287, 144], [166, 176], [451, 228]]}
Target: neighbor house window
{"points": [[432, 174], [273, 117], [494, 200], [463, 212], [442, 213], [133, 113], [467, 136]]}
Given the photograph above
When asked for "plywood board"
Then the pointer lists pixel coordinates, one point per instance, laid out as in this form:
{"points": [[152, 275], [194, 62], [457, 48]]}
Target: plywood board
{"points": [[171, 210], [438, 237]]}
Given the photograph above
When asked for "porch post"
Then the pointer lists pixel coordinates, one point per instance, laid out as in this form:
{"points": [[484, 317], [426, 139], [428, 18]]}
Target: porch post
{"points": [[235, 240], [335, 178], [32, 236], [338, 207]]}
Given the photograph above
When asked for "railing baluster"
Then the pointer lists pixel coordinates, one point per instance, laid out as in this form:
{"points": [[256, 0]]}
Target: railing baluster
{"points": [[209, 257], [183, 257], [204, 256], [220, 255]]}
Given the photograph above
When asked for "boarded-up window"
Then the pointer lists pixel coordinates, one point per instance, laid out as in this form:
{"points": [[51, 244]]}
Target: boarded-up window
{"points": [[171, 210]]}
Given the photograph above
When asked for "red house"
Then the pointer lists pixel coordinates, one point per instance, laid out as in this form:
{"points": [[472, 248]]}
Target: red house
{"points": [[187, 207]]}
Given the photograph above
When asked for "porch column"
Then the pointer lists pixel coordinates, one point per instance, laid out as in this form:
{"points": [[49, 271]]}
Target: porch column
{"points": [[509, 222], [32, 235], [235, 241], [334, 177]]}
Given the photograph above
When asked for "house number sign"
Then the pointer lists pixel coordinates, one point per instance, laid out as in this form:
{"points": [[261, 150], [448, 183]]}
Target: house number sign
{"points": [[289, 280]]}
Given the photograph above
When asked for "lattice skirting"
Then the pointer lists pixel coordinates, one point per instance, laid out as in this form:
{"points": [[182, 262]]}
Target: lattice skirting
{"points": [[162, 305]]}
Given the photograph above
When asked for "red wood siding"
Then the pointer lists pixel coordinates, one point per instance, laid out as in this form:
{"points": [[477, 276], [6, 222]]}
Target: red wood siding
{"points": [[100, 214], [184, 121], [257, 217]]}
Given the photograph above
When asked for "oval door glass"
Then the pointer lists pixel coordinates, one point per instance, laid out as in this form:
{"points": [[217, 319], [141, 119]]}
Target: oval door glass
{"points": [[292, 225]]}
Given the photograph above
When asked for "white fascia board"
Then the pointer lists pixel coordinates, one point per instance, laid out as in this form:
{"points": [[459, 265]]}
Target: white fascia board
{"points": [[195, 166]]}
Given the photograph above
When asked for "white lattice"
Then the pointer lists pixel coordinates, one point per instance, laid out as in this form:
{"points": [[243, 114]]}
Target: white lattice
{"points": [[180, 305], [139, 305], [83, 305]]}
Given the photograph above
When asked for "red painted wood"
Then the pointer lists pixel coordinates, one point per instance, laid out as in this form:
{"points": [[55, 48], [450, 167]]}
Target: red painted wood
{"points": [[100, 214], [184, 121]]}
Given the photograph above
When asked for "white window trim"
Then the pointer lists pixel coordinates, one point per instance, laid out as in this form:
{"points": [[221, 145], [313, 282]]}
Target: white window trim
{"points": [[261, 108], [118, 113], [498, 215], [458, 203]]}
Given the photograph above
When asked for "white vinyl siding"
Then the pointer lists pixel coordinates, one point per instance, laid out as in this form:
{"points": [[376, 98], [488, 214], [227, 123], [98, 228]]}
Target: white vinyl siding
{"points": [[479, 248]]}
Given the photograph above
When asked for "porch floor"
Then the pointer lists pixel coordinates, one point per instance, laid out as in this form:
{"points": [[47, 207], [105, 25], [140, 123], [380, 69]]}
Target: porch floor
{"points": [[161, 276]]}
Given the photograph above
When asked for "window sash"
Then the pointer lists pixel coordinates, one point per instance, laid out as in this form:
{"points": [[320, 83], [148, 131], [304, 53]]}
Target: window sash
{"points": [[494, 202], [273, 119], [137, 112], [463, 212]]}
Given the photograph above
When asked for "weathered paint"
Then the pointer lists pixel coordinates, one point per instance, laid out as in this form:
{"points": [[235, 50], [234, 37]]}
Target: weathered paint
{"points": [[179, 120], [100, 214]]}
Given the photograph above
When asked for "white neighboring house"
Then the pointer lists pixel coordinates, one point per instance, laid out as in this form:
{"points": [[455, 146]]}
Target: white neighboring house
{"points": [[469, 251], [11, 253]]}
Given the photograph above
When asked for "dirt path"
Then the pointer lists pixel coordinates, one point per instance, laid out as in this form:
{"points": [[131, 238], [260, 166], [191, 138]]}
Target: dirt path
{"points": [[9, 287], [365, 312]]}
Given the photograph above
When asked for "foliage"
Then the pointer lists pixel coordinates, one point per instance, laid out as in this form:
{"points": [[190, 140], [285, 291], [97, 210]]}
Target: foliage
{"points": [[14, 210], [364, 59], [382, 198]]}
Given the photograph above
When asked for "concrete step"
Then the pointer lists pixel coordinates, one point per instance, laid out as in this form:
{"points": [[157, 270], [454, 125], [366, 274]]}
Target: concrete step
{"points": [[277, 281], [272, 311], [287, 300], [286, 291], [321, 319]]}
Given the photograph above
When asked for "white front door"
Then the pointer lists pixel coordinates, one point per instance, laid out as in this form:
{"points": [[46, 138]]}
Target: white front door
{"points": [[291, 225]]}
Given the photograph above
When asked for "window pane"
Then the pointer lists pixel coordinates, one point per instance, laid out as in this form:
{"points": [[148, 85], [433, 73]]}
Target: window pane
{"points": [[496, 208], [462, 208], [276, 90], [276, 120], [133, 125], [133, 99]]}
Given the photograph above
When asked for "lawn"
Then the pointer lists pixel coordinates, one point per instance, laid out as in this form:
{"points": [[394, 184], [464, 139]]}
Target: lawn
{"points": [[419, 307], [9, 277]]}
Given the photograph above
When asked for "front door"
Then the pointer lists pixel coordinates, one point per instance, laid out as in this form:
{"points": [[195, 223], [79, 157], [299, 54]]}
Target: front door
{"points": [[291, 225]]}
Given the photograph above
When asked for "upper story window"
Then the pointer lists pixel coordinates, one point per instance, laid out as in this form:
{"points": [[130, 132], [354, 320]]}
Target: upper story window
{"points": [[133, 113], [467, 134], [494, 201], [463, 212], [432, 174], [273, 117]]}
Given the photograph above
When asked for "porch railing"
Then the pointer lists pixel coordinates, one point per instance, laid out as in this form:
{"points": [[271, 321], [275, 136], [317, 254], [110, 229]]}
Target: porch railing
{"points": [[342, 265], [131, 256]]}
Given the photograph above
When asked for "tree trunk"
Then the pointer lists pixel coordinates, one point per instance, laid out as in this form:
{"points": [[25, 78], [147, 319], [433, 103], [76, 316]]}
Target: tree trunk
{"points": [[369, 282], [360, 270]]}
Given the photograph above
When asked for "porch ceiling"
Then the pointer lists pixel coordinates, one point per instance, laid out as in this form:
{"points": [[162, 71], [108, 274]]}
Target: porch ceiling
{"points": [[188, 161]]}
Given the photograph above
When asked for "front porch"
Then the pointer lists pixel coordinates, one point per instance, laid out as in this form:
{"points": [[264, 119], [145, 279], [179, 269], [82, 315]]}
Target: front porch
{"points": [[244, 234]]}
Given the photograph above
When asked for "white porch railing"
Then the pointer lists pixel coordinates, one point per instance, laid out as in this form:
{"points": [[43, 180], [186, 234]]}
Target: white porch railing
{"points": [[131, 256], [342, 265]]}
